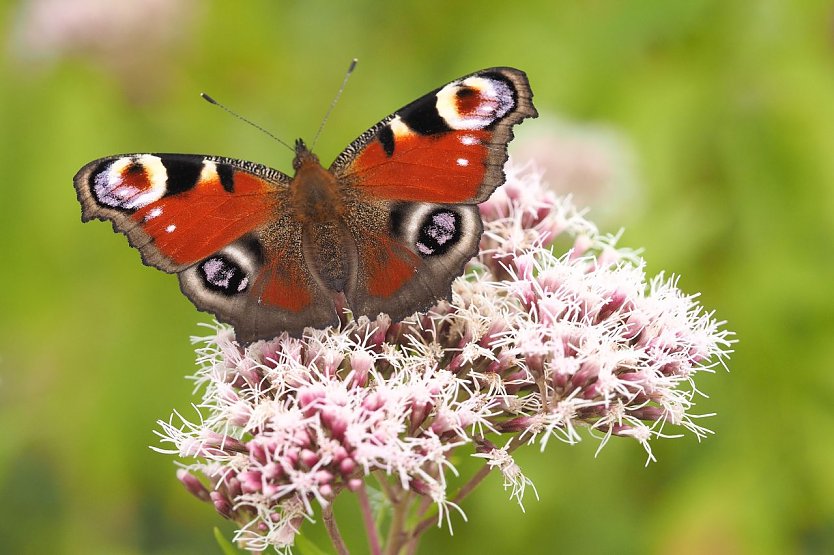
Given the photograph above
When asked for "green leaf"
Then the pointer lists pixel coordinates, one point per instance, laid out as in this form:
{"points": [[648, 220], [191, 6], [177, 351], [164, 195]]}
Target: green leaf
{"points": [[225, 545], [306, 547]]}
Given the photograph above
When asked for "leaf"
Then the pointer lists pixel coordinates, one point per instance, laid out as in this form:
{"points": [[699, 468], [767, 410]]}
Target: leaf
{"points": [[225, 545]]}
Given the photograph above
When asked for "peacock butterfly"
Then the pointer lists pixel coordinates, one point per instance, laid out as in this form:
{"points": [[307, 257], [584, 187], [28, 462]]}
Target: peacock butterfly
{"points": [[389, 225]]}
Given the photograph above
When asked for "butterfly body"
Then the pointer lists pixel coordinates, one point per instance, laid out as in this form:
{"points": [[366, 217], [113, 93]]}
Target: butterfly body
{"points": [[388, 225], [315, 192]]}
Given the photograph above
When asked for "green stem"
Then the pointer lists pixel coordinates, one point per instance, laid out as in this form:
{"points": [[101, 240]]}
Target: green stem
{"points": [[463, 492], [396, 532], [368, 519], [333, 530]]}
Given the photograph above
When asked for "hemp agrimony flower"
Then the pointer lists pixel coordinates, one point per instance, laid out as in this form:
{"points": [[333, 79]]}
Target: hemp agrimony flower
{"points": [[533, 345]]}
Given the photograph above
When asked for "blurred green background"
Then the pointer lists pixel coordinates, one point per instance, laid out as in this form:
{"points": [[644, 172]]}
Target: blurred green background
{"points": [[727, 109]]}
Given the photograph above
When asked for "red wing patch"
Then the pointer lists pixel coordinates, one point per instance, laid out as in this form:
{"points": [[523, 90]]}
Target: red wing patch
{"points": [[388, 265], [444, 168], [283, 287], [190, 226]]}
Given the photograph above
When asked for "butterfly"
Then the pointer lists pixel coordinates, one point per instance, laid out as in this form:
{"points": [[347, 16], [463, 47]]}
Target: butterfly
{"points": [[389, 225]]}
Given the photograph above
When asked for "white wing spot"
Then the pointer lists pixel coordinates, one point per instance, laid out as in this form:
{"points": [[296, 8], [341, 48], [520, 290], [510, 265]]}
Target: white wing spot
{"points": [[399, 128], [209, 171], [463, 162], [170, 228], [153, 213], [468, 140], [424, 249], [217, 272]]}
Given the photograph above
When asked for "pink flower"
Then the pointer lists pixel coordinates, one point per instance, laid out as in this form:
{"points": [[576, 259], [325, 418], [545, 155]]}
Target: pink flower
{"points": [[531, 346]]}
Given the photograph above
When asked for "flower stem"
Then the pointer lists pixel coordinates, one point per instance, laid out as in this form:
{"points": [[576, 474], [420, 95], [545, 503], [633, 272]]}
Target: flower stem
{"points": [[396, 532], [333, 530], [414, 541], [384, 485], [368, 519], [464, 491]]}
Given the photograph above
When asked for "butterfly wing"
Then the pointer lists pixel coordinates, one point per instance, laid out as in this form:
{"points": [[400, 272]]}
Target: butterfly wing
{"points": [[409, 253], [449, 146], [418, 175], [223, 225]]}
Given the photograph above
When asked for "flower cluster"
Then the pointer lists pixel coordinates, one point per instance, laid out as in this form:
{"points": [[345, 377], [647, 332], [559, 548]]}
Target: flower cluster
{"points": [[531, 346]]}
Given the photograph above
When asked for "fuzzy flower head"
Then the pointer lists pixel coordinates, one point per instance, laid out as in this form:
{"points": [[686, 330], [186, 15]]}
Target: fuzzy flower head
{"points": [[533, 345]]}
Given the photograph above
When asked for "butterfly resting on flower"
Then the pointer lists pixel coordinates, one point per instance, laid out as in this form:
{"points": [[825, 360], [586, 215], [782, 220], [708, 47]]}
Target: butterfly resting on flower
{"points": [[388, 226]]}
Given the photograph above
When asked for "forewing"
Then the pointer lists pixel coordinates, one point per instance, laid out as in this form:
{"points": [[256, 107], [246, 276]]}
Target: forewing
{"points": [[448, 146], [178, 209], [223, 225]]}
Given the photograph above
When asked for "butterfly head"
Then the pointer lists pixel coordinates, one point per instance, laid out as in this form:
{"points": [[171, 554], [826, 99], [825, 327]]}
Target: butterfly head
{"points": [[303, 155]]}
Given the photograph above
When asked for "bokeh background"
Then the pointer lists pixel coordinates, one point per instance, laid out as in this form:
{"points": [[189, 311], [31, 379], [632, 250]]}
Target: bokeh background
{"points": [[705, 128]]}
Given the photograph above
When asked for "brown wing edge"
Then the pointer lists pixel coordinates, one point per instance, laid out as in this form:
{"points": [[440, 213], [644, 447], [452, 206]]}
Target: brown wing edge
{"points": [[503, 132], [254, 322]]}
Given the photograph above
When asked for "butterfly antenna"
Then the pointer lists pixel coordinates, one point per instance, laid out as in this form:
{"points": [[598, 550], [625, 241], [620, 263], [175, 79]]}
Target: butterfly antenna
{"points": [[335, 100], [210, 100]]}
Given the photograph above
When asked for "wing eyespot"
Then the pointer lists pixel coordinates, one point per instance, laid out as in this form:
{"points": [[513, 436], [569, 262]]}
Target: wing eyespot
{"points": [[222, 275], [230, 271], [439, 231]]}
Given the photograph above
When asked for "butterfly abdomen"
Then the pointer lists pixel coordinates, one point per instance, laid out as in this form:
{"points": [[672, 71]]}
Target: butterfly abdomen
{"points": [[329, 252]]}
